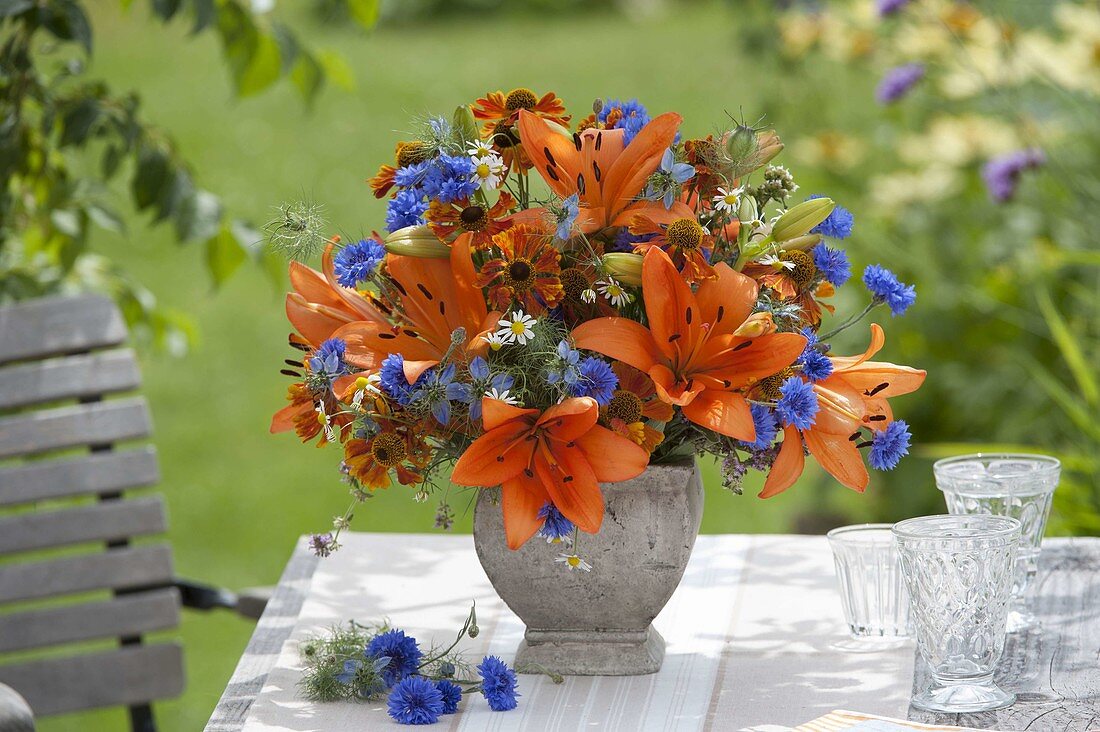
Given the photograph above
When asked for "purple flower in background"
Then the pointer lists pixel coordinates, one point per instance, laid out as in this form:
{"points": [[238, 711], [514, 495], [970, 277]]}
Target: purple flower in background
{"points": [[1002, 173], [889, 7], [897, 82]]}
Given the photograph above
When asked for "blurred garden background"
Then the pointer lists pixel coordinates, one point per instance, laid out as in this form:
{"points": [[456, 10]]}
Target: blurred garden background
{"points": [[1007, 320]]}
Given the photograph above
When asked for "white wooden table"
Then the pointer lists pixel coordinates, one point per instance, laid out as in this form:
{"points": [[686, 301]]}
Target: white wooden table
{"points": [[755, 637]]}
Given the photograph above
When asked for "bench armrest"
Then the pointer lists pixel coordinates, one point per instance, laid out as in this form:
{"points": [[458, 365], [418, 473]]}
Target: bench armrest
{"points": [[248, 603]]}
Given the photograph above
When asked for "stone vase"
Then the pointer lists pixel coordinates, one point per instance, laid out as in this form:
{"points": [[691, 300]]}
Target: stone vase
{"points": [[599, 622]]}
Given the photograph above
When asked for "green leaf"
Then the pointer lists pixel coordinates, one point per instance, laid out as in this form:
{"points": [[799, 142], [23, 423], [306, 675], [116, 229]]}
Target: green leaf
{"points": [[1070, 403], [149, 178], [337, 70], [364, 12], [223, 255], [288, 46], [68, 22], [205, 12], [78, 120], [105, 218], [1067, 344], [179, 189], [199, 216], [166, 9], [112, 158], [9, 8], [308, 77], [66, 221], [263, 67]]}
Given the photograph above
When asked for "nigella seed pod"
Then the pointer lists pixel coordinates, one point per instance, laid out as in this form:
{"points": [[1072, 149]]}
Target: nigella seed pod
{"points": [[741, 144], [597, 106]]}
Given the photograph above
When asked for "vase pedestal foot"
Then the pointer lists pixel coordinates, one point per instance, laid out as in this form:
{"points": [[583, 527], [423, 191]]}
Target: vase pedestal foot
{"points": [[591, 652]]}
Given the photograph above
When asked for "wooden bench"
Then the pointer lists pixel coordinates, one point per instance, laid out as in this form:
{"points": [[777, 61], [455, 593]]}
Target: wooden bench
{"points": [[70, 570]]}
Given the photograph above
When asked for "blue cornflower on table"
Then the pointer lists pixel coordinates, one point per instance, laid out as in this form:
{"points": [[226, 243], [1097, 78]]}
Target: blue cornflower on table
{"points": [[356, 262], [833, 264], [797, 403], [889, 446], [498, 684], [402, 651], [596, 380], [415, 700], [838, 224], [451, 693], [885, 287]]}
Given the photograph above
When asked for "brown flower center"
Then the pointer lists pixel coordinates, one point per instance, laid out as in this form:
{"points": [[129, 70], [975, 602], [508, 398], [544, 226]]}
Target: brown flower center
{"points": [[520, 99], [769, 386], [625, 405], [409, 153], [474, 218], [684, 234], [804, 272], [574, 282], [504, 136], [519, 274], [387, 449]]}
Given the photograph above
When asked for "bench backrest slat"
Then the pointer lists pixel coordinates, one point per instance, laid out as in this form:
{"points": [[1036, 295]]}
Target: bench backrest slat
{"points": [[107, 521], [104, 472], [56, 326], [71, 377]]}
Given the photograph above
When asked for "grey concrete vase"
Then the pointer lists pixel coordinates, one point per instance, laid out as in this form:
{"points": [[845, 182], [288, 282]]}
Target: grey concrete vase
{"points": [[599, 622]]}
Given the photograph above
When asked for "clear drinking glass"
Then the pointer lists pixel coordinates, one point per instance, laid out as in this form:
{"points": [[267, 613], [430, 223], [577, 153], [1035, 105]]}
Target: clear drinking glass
{"points": [[872, 589], [1016, 485], [959, 573]]}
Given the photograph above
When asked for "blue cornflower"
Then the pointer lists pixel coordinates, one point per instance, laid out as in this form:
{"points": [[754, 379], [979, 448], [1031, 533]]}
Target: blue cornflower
{"points": [[415, 700], [451, 178], [833, 264], [632, 117], [356, 262], [838, 224], [797, 403], [889, 446], [328, 359], [897, 82], [815, 364], [391, 377], [402, 652], [498, 684], [555, 526], [763, 418], [666, 181], [885, 287], [405, 209], [565, 370], [452, 695], [412, 176], [597, 380], [570, 209], [625, 241]]}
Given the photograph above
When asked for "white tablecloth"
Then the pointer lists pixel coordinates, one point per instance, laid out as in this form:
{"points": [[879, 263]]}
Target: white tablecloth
{"points": [[755, 637]]}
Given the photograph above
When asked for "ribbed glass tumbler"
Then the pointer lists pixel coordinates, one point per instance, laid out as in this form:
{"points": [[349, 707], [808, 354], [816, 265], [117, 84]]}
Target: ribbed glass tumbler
{"points": [[959, 572], [1005, 484], [872, 589]]}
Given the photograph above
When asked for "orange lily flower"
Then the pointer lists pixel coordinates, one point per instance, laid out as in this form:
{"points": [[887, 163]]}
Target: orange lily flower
{"points": [[319, 305], [438, 296], [701, 349], [852, 398], [450, 219], [633, 404], [606, 174], [560, 455]]}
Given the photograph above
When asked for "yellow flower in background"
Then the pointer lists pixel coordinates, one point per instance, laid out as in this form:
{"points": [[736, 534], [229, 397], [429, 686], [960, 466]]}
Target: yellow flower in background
{"points": [[894, 192], [830, 149], [958, 140]]}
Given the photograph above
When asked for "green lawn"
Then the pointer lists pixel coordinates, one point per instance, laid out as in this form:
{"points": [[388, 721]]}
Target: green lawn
{"points": [[238, 496]]}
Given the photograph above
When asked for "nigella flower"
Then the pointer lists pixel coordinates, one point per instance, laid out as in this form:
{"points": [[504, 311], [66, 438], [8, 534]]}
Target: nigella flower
{"points": [[498, 684], [405, 209], [897, 82], [816, 366], [415, 700], [401, 650], [1002, 174], [451, 693], [567, 217], [356, 262], [555, 526], [797, 403], [889, 7], [628, 115], [433, 389], [351, 667], [483, 381], [885, 287], [889, 446], [666, 181], [838, 224], [833, 264], [565, 366], [328, 359], [597, 380], [763, 418]]}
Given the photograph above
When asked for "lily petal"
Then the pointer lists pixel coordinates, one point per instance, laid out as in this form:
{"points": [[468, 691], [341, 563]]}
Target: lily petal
{"points": [[570, 419], [521, 499], [725, 412], [572, 486], [839, 457], [727, 300], [621, 339], [496, 456], [613, 457], [673, 312], [788, 465]]}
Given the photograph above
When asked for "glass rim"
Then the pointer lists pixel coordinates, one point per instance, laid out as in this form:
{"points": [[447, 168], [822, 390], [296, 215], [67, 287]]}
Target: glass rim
{"points": [[1001, 528], [840, 532], [1049, 463]]}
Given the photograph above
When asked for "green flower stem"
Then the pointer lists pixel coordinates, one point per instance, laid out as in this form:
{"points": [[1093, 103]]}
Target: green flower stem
{"points": [[851, 321]]}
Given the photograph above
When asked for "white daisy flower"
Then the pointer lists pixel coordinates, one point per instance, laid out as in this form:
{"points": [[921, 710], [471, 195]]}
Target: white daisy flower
{"points": [[615, 293], [774, 261], [519, 329], [573, 562], [588, 296], [496, 341], [489, 171], [504, 396], [323, 419], [480, 149], [727, 201]]}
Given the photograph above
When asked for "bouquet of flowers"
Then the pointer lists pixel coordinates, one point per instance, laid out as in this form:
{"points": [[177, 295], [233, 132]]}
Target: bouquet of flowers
{"points": [[557, 304]]}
